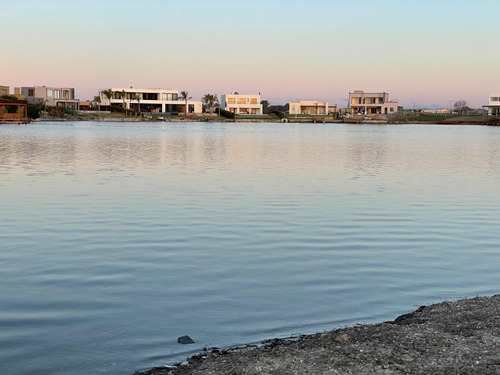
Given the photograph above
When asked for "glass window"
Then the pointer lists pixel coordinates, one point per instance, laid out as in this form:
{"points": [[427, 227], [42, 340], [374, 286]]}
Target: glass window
{"points": [[241, 101], [56, 94], [253, 101], [231, 101], [163, 96], [175, 96], [50, 93]]}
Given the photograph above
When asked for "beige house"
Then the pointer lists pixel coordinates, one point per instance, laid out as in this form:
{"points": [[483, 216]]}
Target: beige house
{"points": [[308, 107], [150, 100], [437, 111], [242, 104], [364, 103], [51, 96], [85, 105], [332, 109], [4, 90], [17, 93]]}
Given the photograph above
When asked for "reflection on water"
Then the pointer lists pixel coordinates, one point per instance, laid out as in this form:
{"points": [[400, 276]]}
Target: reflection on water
{"points": [[118, 238]]}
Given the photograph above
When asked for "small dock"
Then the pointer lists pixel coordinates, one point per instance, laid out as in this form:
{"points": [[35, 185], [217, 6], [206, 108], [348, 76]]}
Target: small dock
{"points": [[14, 113]]}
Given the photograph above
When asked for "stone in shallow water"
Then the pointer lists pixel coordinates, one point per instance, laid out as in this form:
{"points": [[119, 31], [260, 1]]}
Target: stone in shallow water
{"points": [[185, 340]]}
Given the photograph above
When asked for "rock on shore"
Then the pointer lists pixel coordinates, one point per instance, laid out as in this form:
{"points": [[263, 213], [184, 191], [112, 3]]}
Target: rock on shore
{"points": [[447, 338]]}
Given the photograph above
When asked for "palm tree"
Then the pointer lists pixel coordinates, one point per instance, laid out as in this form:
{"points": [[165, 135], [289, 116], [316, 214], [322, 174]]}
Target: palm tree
{"points": [[185, 96], [97, 99], [138, 98], [210, 101], [206, 101], [109, 94], [216, 100], [123, 95]]}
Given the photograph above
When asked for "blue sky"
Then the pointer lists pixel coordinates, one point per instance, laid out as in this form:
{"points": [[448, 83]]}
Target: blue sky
{"points": [[428, 52]]}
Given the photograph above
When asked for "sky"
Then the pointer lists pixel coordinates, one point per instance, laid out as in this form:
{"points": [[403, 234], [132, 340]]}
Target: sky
{"points": [[423, 53]]}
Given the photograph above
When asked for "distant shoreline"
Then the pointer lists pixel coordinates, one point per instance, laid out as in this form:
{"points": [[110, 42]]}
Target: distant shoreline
{"points": [[445, 338], [273, 119]]}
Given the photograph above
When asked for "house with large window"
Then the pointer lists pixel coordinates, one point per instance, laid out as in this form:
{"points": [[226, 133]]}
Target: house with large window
{"points": [[51, 96], [308, 107], [364, 103], [150, 100], [493, 106], [242, 104]]}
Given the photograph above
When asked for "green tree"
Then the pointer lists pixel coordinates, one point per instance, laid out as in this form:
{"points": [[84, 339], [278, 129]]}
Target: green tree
{"points": [[123, 95], [460, 106], [265, 106], [216, 101], [185, 96], [206, 100], [109, 94], [97, 99], [138, 98], [209, 100], [35, 109]]}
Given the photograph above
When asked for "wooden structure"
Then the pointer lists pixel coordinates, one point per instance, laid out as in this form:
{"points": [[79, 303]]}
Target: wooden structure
{"points": [[14, 113]]}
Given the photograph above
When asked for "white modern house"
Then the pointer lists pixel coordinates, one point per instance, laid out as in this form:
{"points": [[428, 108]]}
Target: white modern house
{"points": [[242, 104], [51, 96], [493, 106], [361, 102], [150, 100], [308, 107]]}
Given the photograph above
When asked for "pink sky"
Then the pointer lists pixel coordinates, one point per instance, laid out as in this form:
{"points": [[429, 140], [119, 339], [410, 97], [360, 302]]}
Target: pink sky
{"points": [[414, 53]]}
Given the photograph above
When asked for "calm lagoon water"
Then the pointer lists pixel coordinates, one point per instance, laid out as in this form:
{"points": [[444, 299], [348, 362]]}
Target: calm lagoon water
{"points": [[118, 238]]}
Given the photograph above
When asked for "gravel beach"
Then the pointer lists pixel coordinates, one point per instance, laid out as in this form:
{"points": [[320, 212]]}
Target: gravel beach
{"points": [[461, 337]]}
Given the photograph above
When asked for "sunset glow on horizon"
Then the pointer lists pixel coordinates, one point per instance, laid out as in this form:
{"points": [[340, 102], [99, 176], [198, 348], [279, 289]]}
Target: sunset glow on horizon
{"points": [[423, 52]]}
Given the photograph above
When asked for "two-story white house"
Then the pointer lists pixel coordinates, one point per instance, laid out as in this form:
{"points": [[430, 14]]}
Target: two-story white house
{"points": [[361, 102], [242, 104], [493, 106], [150, 100]]}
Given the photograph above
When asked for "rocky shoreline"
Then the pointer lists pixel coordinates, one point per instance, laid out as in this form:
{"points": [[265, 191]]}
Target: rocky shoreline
{"points": [[461, 337]]}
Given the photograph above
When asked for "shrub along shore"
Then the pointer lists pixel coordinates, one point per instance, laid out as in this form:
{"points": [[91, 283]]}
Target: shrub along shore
{"points": [[461, 337]]}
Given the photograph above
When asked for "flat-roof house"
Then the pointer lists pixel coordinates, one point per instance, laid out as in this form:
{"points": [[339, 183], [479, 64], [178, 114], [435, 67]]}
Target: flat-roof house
{"points": [[242, 104], [493, 106], [51, 96], [17, 93], [308, 107], [361, 102], [85, 105], [332, 109], [4, 90], [150, 100], [437, 110]]}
